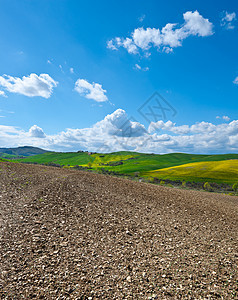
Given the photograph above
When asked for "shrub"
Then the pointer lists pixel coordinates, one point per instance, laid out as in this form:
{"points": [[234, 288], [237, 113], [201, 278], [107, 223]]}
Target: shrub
{"points": [[170, 185], [162, 182], [155, 180], [89, 165], [184, 184], [235, 187], [207, 187]]}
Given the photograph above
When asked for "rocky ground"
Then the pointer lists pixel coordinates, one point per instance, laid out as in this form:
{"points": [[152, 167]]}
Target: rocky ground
{"points": [[78, 235]]}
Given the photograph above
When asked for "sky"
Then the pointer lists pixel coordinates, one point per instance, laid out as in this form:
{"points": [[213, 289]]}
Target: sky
{"points": [[104, 76]]}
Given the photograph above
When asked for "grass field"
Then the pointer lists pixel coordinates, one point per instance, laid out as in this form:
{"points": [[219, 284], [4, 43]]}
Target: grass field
{"points": [[8, 156], [68, 158], [216, 168]]}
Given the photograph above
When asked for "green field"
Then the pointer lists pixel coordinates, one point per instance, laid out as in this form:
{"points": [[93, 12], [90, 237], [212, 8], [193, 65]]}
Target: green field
{"points": [[222, 168], [8, 156], [62, 158]]}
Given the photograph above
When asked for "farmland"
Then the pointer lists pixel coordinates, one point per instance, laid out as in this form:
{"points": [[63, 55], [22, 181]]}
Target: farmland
{"points": [[174, 166], [69, 234]]}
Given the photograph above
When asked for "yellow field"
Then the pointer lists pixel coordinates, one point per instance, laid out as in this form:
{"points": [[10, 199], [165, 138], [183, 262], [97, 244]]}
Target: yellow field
{"points": [[226, 170]]}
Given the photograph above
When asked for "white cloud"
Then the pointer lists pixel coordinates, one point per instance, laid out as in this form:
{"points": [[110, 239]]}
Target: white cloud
{"points": [[138, 67], [49, 62], [228, 20], [144, 37], [110, 45], [236, 80], [2, 93], [195, 24], [169, 37], [92, 91], [167, 50], [225, 118], [130, 46], [127, 43], [119, 124], [31, 86], [197, 128], [168, 126], [71, 70], [117, 132], [36, 131]]}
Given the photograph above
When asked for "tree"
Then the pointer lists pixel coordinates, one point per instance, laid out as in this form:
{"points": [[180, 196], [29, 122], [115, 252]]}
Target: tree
{"points": [[235, 187], [207, 187]]}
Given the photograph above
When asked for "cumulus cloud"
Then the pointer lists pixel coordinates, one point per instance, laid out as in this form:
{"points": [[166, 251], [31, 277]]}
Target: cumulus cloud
{"points": [[228, 20], [31, 86], [198, 128], [169, 37], [202, 137], [119, 132], [118, 124], [37, 132], [127, 43], [71, 70], [92, 91]]}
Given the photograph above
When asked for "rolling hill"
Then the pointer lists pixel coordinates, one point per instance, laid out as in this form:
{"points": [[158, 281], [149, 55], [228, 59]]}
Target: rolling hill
{"points": [[217, 171], [21, 151], [148, 165]]}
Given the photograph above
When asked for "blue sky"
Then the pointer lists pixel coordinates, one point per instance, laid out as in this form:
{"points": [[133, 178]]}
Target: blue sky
{"points": [[102, 60]]}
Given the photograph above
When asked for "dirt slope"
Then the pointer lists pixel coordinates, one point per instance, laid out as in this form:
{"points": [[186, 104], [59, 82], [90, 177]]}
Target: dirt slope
{"points": [[75, 235]]}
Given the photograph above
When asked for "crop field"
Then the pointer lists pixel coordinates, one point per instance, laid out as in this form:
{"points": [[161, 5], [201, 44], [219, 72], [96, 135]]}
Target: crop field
{"points": [[179, 166], [218, 171]]}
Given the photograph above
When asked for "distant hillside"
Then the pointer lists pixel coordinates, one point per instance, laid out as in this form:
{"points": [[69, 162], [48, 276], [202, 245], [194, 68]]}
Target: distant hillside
{"points": [[216, 171], [147, 165], [22, 151]]}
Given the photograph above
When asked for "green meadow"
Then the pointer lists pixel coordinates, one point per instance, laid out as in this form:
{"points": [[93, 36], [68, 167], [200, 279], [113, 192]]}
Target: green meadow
{"points": [[181, 166]]}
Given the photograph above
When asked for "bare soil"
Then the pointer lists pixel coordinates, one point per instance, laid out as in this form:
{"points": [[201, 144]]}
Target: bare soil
{"points": [[77, 235]]}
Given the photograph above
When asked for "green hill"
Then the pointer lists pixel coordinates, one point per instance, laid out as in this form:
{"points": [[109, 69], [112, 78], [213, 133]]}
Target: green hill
{"points": [[62, 158], [145, 165], [22, 151]]}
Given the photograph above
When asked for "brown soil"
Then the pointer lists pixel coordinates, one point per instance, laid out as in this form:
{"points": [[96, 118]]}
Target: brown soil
{"points": [[78, 235]]}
